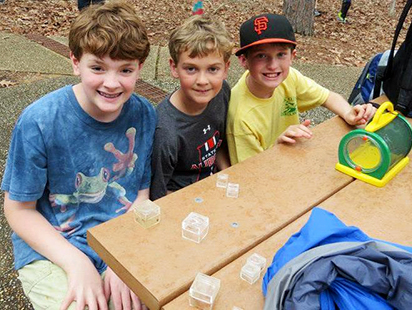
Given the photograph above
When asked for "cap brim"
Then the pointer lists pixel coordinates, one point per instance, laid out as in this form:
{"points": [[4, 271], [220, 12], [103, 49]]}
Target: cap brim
{"points": [[264, 41]]}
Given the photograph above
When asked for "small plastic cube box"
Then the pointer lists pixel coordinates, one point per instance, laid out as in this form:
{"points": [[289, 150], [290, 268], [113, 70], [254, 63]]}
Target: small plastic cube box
{"points": [[147, 213], [222, 180], [232, 190], [258, 260], [250, 272], [202, 293], [195, 227]]}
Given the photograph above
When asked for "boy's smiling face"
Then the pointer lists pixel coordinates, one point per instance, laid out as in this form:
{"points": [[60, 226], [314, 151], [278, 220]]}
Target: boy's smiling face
{"points": [[201, 79], [106, 84], [268, 66]]}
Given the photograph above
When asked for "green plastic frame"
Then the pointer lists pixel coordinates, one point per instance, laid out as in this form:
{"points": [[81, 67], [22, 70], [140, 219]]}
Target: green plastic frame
{"points": [[410, 129], [379, 141]]}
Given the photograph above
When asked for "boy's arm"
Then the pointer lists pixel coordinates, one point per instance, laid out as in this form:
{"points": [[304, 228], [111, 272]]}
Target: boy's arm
{"points": [[294, 132], [142, 195], [222, 157], [121, 296], [243, 147], [84, 283], [164, 159], [357, 115]]}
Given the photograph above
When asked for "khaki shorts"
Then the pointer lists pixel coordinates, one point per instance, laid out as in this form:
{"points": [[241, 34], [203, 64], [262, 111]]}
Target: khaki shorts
{"points": [[45, 284]]}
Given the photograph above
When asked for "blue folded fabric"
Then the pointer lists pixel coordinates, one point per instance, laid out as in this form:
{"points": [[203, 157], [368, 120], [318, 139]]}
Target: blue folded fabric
{"points": [[322, 228], [348, 295]]}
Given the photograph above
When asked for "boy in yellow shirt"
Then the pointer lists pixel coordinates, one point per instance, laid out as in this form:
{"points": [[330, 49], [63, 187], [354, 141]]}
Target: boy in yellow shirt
{"points": [[265, 103]]}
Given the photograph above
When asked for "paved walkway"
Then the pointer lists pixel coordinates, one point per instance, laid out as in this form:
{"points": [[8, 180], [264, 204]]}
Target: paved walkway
{"points": [[45, 66], [37, 54]]}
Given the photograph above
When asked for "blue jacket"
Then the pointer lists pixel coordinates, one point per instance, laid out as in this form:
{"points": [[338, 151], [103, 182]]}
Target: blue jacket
{"points": [[320, 266]]}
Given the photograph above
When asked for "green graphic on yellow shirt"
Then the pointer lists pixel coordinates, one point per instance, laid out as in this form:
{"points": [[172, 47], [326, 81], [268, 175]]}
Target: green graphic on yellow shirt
{"points": [[289, 107]]}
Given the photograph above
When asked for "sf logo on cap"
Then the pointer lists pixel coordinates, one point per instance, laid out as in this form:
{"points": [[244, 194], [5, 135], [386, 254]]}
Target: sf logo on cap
{"points": [[261, 24]]}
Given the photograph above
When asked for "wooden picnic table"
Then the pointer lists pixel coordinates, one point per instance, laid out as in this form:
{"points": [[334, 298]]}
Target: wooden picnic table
{"points": [[382, 213], [276, 188]]}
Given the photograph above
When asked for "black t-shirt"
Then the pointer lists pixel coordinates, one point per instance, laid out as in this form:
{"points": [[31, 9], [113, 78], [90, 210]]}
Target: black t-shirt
{"points": [[185, 146]]}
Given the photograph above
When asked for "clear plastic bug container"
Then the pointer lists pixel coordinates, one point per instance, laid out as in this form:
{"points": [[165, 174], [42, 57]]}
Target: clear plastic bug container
{"points": [[250, 273], [195, 227], [202, 293], [258, 260], [232, 190], [222, 180], [147, 213]]}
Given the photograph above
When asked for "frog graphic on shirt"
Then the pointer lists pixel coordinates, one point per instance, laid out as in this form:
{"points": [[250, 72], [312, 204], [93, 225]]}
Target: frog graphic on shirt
{"points": [[92, 189], [126, 161], [88, 189]]}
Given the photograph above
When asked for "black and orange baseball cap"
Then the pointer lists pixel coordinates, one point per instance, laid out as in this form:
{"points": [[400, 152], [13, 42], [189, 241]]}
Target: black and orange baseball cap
{"points": [[265, 28]]}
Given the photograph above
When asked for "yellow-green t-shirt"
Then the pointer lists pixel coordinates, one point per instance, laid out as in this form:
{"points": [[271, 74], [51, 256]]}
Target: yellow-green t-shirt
{"points": [[254, 124]]}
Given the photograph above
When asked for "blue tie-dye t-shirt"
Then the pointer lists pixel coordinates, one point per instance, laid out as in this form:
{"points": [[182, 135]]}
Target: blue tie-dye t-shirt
{"points": [[81, 172]]}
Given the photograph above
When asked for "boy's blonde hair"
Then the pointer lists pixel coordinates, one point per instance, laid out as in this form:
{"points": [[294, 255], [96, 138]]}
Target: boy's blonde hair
{"points": [[200, 36], [112, 29]]}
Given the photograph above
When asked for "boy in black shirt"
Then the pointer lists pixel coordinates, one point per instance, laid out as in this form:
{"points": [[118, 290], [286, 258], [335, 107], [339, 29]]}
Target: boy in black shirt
{"points": [[192, 120]]}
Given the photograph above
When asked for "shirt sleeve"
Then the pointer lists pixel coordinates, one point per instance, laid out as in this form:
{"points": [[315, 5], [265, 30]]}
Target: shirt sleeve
{"points": [[25, 175], [227, 93], [245, 146], [147, 174], [309, 93], [164, 160]]}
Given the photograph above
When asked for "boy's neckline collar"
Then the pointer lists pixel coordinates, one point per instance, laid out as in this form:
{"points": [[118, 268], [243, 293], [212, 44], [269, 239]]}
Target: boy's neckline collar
{"points": [[180, 107], [247, 83], [88, 119]]}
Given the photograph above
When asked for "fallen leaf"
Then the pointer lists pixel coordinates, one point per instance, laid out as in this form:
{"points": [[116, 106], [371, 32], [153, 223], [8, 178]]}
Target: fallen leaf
{"points": [[6, 83]]}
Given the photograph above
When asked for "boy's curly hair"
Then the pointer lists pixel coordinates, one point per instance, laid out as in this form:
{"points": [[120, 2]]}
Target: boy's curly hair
{"points": [[201, 36], [112, 29]]}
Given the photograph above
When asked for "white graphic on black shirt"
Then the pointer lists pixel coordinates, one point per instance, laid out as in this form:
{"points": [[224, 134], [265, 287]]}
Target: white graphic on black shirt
{"points": [[207, 154], [205, 130]]}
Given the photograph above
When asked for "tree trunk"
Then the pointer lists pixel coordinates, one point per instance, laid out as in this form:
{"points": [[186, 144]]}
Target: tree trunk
{"points": [[300, 15]]}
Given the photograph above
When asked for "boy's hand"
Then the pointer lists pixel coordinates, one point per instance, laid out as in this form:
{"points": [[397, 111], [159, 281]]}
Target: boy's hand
{"points": [[122, 296], [360, 114], [296, 131], [85, 287]]}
